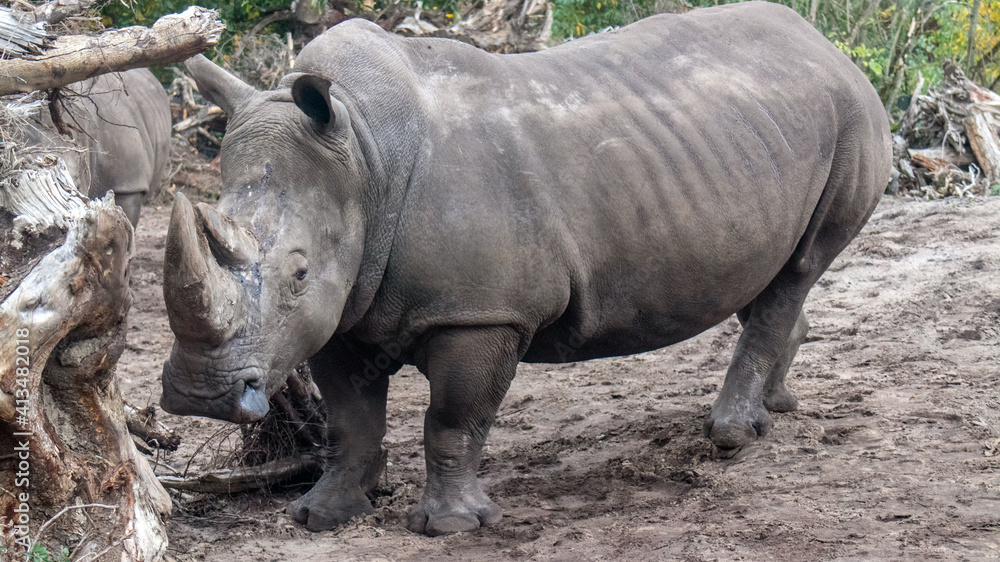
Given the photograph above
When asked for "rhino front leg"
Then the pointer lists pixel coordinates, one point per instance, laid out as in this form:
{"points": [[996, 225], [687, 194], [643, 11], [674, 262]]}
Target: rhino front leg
{"points": [[354, 381], [469, 370], [131, 203]]}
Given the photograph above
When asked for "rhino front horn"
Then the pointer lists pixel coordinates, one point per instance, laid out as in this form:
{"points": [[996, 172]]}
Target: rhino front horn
{"points": [[204, 301]]}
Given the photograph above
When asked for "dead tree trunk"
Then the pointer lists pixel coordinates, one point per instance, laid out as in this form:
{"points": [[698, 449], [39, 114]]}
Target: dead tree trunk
{"points": [[500, 26], [63, 438], [981, 129]]}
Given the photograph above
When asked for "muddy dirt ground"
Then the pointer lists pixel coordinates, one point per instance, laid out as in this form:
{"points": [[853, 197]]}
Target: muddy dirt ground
{"points": [[894, 453]]}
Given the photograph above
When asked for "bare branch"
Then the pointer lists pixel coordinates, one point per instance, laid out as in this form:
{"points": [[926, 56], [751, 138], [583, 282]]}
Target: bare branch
{"points": [[153, 433], [231, 480], [208, 114], [58, 10], [276, 16]]}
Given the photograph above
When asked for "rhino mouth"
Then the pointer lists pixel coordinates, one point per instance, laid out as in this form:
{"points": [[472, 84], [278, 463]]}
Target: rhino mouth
{"points": [[242, 401]]}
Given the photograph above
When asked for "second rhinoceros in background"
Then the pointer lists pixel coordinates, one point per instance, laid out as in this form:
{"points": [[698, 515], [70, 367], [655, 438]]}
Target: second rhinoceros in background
{"points": [[116, 135], [419, 201]]}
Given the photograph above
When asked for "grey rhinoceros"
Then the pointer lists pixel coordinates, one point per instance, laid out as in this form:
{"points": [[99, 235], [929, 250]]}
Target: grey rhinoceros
{"points": [[117, 136], [419, 201]]}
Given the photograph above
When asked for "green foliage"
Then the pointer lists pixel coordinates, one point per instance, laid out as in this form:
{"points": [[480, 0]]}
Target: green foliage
{"points": [[576, 18], [41, 554], [452, 9], [952, 39], [872, 61]]}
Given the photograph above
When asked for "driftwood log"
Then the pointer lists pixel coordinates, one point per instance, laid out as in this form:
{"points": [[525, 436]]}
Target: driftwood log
{"points": [[63, 438], [71, 58], [939, 159]]}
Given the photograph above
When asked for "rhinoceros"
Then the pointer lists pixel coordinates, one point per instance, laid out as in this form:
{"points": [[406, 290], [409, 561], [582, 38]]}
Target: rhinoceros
{"points": [[117, 136], [418, 201]]}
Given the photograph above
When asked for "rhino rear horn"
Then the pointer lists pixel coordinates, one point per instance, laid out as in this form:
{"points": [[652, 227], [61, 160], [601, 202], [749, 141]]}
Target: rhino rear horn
{"points": [[204, 301], [218, 86], [231, 244]]}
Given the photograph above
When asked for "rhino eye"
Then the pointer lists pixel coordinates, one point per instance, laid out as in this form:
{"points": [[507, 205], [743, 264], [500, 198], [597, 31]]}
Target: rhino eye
{"points": [[297, 271]]}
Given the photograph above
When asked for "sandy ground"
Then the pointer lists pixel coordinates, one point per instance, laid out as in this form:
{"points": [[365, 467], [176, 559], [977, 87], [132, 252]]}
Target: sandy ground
{"points": [[894, 453]]}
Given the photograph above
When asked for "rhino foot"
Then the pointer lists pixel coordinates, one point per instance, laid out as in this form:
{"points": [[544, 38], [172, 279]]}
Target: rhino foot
{"points": [[734, 426], [319, 510], [434, 517]]}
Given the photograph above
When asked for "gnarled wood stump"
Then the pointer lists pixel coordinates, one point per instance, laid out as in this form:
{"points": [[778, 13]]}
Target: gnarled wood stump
{"points": [[63, 438]]}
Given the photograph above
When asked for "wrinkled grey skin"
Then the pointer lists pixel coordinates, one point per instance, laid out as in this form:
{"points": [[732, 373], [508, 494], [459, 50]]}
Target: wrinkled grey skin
{"points": [[119, 136], [418, 201]]}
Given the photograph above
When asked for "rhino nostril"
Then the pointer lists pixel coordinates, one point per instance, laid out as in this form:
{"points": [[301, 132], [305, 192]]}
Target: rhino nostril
{"points": [[254, 401]]}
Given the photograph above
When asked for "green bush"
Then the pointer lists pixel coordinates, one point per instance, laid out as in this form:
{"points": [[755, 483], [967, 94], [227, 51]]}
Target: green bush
{"points": [[576, 18]]}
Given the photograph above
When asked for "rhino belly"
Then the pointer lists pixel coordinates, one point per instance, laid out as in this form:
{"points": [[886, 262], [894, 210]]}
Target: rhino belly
{"points": [[635, 315]]}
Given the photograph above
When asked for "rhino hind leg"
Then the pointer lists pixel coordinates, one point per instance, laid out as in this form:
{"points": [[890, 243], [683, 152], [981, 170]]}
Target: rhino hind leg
{"points": [[354, 382], [777, 397], [739, 415], [469, 370], [774, 324], [773, 327]]}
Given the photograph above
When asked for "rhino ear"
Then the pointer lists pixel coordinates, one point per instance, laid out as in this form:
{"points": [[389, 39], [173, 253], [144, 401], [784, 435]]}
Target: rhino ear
{"points": [[218, 86], [312, 95]]}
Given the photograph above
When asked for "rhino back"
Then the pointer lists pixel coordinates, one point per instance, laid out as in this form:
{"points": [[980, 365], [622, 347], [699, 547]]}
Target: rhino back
{"points": [[130, 124], [42, 138], [629, 189]]}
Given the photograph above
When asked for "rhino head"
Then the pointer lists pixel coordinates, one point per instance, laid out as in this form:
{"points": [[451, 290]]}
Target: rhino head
{"points": [[258, 284]]}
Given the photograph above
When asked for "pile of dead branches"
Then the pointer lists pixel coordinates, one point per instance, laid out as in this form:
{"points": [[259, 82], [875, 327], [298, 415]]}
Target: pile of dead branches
{"points": [[947, 143], [498, 26], [508, 26], [286, 446]]}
